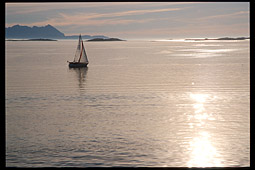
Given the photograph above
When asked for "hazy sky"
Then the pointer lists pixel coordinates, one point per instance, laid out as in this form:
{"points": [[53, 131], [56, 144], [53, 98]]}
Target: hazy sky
{"points": [[134, 20]]}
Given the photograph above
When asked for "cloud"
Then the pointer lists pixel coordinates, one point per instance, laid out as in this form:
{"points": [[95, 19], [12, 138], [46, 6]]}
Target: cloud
{"points": [[223, 16], [98, 16], [28, 8], [99, 19], [139, 12]]}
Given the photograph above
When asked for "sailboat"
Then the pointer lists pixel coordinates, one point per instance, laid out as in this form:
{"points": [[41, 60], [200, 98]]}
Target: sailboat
{"points": [[80, 58]]}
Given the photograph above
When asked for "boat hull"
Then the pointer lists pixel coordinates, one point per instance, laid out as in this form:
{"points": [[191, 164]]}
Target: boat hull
{"points": [[77, 65]]}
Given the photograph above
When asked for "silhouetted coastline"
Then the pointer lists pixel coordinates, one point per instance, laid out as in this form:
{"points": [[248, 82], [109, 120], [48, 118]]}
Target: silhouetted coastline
{"points": [[40, 39], [224, 38], [106, 39]]}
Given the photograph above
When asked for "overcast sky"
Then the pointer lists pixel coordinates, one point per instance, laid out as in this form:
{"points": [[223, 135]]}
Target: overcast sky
{"points": [[134, 20]]}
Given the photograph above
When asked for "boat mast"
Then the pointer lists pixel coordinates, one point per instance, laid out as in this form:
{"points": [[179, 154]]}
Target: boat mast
{"points": [[81, 51], [78, 49]]}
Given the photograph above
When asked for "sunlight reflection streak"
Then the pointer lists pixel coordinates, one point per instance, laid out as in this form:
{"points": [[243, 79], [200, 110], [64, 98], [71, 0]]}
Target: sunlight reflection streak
{"points": [[202, 152]]}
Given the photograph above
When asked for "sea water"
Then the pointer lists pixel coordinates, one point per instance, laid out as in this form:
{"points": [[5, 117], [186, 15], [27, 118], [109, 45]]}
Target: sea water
{"points": [[138, 104]]}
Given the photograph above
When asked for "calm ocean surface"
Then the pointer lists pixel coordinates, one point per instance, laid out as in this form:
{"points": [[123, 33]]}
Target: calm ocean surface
{"points": [[139, 103]]}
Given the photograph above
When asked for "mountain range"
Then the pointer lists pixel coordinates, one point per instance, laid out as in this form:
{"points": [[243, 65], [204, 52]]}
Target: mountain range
{"points": [[48, 31]]}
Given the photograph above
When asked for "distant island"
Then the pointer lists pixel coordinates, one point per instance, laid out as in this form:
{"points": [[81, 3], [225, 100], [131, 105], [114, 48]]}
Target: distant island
{"points": [[23, 32], [224, 38], [44, 32], [238, 38], [40, 39], [106, 39]]}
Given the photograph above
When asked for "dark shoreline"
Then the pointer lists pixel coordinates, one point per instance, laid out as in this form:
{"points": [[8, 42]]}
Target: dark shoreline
{"points": [[106, 39], [225, 38], [40, 39]]}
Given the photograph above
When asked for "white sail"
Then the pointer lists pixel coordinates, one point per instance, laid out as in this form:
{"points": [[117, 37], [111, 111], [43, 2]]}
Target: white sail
{"points": [[80, 54], [83, 57]]}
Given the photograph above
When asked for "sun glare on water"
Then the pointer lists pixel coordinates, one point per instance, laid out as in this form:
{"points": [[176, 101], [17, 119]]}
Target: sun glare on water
{"points": [[202, 151]]}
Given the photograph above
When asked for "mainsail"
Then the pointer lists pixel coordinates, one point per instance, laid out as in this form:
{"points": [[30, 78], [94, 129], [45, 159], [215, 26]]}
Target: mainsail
{"points": [[80, 55]]}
